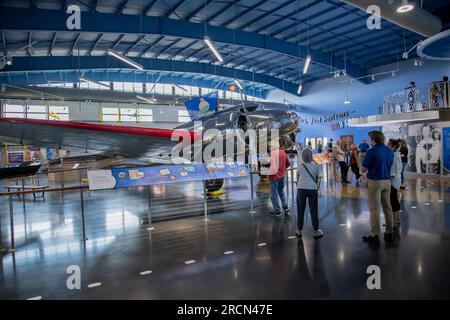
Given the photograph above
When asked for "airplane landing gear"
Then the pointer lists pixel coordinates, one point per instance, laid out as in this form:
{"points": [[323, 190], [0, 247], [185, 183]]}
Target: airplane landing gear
{"points": [[214, 185]]}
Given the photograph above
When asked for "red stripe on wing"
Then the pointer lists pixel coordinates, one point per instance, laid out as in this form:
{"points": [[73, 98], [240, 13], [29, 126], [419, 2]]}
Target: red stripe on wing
{"points": [[149, 132]]}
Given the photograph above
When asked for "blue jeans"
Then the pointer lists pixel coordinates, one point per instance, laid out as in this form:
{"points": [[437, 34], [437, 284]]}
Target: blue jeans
{"points": [[277, 190], [403, 172]]}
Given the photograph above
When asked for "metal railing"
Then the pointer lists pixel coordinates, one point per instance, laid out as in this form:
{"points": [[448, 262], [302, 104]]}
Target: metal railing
{"points": [[430, 97]]}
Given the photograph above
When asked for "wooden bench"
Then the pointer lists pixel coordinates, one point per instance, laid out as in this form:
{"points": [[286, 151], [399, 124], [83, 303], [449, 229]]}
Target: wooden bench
{"points": [[33, 188]]}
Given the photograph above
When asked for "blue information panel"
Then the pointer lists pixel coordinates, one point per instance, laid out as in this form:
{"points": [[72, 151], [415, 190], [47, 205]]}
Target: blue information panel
{"points": [[134, 177], [226, 170], [446, 151]]}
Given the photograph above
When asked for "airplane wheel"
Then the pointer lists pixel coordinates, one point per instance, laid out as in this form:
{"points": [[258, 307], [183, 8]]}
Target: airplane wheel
{"points": [[214, 185]]}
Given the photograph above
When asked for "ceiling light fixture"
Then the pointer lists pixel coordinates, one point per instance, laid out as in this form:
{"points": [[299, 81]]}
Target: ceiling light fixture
{"points": [[124, 59], [238, 84], [213, 49], [307, 63], [346, 101], [405, 7], [94, 82], [149, 100], [300, 88]]}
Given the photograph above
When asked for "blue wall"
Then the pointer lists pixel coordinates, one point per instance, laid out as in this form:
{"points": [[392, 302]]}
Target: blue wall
{"points": [[326, 97]]}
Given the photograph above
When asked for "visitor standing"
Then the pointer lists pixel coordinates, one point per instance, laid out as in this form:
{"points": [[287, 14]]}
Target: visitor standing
{"points": [[377, 163], [355, 163], [404, 157], [396, 171], [338, 155], [279, 162], [363, 147], [307, 189], [319, 147]]}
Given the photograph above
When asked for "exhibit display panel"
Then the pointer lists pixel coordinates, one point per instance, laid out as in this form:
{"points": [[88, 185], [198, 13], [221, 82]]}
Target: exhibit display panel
{"points": [[146, 176], [425, 144]]}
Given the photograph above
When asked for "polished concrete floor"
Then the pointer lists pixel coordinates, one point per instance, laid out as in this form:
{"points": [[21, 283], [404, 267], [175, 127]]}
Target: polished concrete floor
{"points": [[234, 255]]}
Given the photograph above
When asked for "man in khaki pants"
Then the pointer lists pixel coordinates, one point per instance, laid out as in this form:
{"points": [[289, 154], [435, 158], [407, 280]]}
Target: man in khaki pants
{"points": [[377, 164]]}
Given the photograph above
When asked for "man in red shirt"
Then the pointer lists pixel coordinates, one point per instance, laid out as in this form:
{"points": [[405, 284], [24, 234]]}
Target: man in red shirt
{"points": [[279, 162]]}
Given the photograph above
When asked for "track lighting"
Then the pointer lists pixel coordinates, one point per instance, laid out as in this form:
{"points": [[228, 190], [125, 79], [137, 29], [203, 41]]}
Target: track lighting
{"points": [[307, 63], [124, 59], [238, 84], [94, 82], [213, 49], [150, 100]]}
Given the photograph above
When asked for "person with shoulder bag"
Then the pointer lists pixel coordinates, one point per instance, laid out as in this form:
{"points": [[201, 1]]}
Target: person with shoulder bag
{"points": [[307, 188]]}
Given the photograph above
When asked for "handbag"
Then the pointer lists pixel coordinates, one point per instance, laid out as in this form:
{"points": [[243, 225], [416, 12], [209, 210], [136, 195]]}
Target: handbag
{"points": [[314, 179]]}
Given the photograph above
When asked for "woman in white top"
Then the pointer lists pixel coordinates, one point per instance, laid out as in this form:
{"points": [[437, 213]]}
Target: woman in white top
{"points": [[396, 172], [307, 185]]}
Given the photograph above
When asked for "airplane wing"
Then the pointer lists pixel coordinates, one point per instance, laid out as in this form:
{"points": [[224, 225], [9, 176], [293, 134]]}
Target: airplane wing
{"points": [[127, 141]]}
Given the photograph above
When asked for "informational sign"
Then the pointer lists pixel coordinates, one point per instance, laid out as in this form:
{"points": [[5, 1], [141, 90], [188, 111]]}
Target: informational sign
{"points": [[321, 158], [446, 147], [226, 170], [15, 157], [134, 177]]}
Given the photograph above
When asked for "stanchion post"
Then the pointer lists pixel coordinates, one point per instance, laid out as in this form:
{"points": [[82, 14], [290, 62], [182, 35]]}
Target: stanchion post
{"points": [[205, 203], [287, 188], [1, 237], [11, 224], [23, 188], [83, 222], [292, 185], [252, 209], [149, 212]]}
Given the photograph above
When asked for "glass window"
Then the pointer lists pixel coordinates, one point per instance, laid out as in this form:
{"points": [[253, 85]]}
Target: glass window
{"points": [[110, 111], [110, 114], [127, 118], [145, 118], [41, 116], [145, 112], [128, 86], [58, 109], [138, 87], [128, 114], [110, 117], [14, 115], [183, 116], [58, 113], [36, 109], [13, 108], [128, 111]]}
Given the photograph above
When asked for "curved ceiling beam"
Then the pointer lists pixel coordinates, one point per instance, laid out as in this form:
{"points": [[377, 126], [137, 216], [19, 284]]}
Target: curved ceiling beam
{"points": [[55, 21], [69, 63]]}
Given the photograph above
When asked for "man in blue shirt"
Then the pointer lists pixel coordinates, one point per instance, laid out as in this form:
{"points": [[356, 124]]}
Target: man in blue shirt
{"points": [[363, 147], [377, 164]]}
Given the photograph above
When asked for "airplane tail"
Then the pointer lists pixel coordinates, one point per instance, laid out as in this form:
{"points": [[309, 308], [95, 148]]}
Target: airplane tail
{"points": [[200, 106]]}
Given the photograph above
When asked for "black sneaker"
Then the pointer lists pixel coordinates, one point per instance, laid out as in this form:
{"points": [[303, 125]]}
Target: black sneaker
{"points": [[373, 240], [278, 215], [388, 237], [287, 211]]}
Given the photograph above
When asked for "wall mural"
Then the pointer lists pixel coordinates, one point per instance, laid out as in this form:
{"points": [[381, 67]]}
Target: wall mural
{"points": [[424, 145]]}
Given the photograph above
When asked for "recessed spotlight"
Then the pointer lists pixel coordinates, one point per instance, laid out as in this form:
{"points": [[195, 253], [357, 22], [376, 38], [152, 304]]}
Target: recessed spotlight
{"points": [[405, 7]]}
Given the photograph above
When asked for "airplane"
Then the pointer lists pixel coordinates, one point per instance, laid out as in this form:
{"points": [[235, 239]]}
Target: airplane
{"points": [[151, 145]]}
